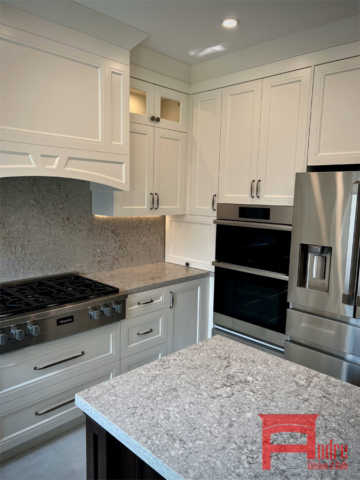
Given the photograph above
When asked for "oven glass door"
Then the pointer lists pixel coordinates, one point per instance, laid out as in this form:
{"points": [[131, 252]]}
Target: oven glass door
{"points": [[260, 248], [255, 299]]}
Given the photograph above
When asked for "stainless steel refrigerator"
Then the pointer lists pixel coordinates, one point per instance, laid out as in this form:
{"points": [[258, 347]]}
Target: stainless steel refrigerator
{"points": [[323, 320]]}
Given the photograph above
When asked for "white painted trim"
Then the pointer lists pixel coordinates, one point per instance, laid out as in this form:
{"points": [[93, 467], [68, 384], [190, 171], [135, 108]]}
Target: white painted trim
{"points": [[160, 79], [276, 68], [83, 19], [143, 57], [337, 33], [26, 22]]}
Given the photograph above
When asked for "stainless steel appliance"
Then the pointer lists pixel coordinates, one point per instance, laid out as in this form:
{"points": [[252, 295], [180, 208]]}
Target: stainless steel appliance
{"points": [[43, 309], [251, 273], [323, 320]]}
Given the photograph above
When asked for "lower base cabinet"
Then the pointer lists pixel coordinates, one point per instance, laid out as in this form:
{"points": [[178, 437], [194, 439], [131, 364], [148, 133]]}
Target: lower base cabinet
{"points": [[142, 358]]}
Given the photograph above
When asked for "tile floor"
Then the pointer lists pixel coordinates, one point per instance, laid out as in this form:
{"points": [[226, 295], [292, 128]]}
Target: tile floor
{"points": [[61, 458]]}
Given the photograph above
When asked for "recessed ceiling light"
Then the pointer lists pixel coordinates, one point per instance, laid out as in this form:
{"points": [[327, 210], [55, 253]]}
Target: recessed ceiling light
{"points": [[230, 22]]}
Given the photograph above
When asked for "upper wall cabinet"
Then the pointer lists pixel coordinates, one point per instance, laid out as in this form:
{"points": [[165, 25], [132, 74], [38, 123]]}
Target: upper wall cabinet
{"points": [[283, 136], [240, 125], [335, 115], [205, 153], [154, 105], [64, 111]]}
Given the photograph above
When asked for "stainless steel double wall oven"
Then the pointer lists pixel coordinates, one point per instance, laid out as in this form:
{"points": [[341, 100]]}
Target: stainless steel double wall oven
{"points": [[251, 273]]}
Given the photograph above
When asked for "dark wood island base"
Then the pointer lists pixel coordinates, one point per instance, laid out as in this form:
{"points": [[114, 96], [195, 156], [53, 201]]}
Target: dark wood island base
{"points": [[109, 459]]}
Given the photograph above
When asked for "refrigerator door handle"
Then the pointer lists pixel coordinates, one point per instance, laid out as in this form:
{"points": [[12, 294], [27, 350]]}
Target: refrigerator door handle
{"points": [[352, 255]]}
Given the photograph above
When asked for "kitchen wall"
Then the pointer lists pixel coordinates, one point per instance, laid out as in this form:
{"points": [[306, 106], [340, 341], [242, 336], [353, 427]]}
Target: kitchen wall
{"points": [[46, 227]]}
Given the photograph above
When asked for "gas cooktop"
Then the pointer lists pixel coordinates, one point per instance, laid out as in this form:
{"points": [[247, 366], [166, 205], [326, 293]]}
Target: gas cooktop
{"points": [[49, 308]]}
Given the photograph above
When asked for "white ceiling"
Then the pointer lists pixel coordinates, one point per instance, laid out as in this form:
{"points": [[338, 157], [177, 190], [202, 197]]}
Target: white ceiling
{"points": [[191, 31]]}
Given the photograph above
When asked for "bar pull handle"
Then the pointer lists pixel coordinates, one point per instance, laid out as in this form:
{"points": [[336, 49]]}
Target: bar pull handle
{"points": [[145, 333], [158, 200], [252, 189], [60, 361], [146, 303], [172, 300], [153, 201], [352, 254], [213, 203], [258, 188], [38, 414]]}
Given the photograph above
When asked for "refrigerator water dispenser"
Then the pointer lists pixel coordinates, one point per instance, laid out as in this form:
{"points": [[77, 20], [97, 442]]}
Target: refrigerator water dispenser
{"points": [[314, 267]]}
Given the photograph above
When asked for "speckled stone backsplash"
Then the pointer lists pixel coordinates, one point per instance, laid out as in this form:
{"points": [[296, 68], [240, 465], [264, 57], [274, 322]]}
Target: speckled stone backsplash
{"points": [[47, 227]]}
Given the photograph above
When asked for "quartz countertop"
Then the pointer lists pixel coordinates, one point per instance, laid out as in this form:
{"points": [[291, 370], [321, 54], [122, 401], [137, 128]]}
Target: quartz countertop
{"points": [[146, 277], [195, 414]]}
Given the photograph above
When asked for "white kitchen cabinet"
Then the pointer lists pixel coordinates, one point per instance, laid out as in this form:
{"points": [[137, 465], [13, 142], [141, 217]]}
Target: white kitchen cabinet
{"points": [[142, 358], [158, 169], [283, 136], [240, 127], [205, 153], [159, 106], [186, 320], [335, 114], [64, 111], [169, 172]]}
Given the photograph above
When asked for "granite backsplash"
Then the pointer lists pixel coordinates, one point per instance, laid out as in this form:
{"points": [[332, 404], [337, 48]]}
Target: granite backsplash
{"points": [[47, 227]]}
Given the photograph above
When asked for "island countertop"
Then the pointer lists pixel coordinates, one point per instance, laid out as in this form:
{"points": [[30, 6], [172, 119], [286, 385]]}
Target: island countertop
{"points": [[195, 413], [146, 277]]}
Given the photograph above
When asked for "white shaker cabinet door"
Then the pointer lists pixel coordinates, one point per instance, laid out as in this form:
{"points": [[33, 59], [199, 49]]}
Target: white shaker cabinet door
{"points": [[335, 114], [140, 199], [169, 172], [240, 127], [142, 106], [205, 153], [283, 136]]}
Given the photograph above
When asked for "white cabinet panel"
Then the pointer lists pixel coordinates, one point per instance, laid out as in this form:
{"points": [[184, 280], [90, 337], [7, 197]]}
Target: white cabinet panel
{"points": [[142, 99], [187, 310], [335, 114], [240, 126], [169, 172], [46, 409], [145, 331], [190, 240], [146, 302], [205, 153], [283, 136], [31, 369], [170, 109], [143, 358], [64, 111]]}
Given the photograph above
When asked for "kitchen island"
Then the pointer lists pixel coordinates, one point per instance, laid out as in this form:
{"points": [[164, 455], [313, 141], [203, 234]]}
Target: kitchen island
{"points": [[195, 415]]}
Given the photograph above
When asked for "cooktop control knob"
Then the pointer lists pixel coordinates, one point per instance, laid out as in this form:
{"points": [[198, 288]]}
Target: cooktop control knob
{"points": [[117, 307], [106, 309], [94, 313], [17, 333], [34, 329], [3, 337]]}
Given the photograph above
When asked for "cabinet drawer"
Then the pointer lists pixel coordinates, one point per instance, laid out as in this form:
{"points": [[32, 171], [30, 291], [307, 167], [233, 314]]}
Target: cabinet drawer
{"points": [[39, 412], [142, 358], [26, 371], [145, 302], [141, 333]]}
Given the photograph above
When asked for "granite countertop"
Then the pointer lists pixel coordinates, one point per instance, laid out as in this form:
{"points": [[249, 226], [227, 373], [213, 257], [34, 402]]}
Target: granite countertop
{"points": [[145, 277], [195, 414]]}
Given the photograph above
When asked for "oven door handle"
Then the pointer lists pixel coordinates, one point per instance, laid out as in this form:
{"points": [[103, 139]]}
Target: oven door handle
{"points": [[268, 226], [253, 271]]}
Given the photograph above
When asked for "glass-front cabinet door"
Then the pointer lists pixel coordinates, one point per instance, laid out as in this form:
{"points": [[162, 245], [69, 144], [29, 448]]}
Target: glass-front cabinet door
{"points": [[170, 109], [142, 102]]}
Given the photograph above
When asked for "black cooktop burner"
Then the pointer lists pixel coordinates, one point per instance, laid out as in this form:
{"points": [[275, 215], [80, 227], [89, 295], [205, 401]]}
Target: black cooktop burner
{"points": [[46, 293]]}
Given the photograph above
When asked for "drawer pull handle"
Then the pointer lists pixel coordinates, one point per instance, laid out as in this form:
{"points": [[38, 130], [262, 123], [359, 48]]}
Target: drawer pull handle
{"points": [[38, 414], [145, 333], [60, 361], [146, 303]]}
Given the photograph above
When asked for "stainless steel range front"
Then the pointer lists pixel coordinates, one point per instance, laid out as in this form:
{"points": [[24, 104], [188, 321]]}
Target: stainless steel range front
{"points": [[251, 273], [43, 309], [324, 288]]}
